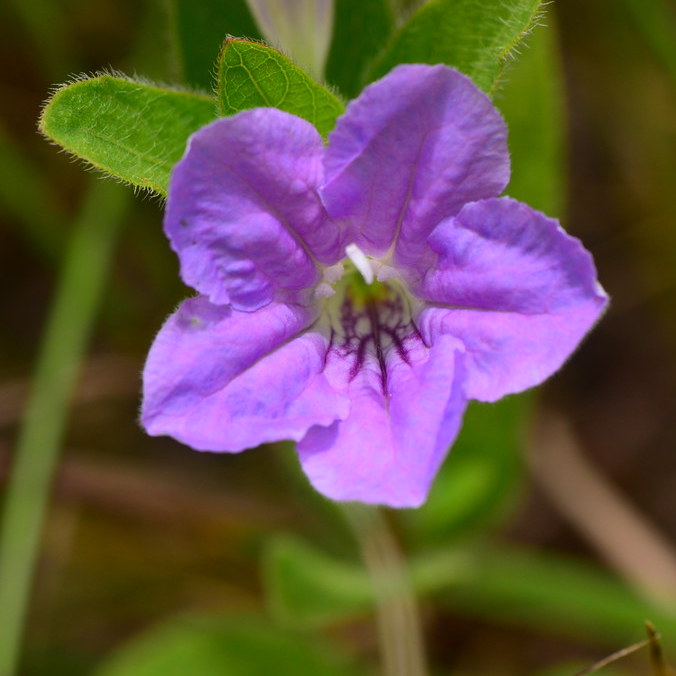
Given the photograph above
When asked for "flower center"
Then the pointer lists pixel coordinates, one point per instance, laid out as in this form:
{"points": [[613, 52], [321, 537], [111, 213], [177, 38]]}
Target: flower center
{"points": [[368, 319]]}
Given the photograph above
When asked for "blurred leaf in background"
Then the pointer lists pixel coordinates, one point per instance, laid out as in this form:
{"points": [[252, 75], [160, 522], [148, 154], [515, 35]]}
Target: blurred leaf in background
{"points": [[214, 645], [360, 32], [518, 587], [198, 31]]}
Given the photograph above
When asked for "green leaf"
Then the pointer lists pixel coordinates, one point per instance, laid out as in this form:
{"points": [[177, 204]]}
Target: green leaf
{"points": [[134, 131], [199, 30], [549, 593], [213, 646], [360, 31], [252, 75], [533, 106], [479, 482], [543, 592], [306, 587], [475, 36]]}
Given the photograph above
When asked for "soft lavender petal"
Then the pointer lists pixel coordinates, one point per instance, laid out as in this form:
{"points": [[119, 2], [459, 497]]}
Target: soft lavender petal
{"points": [[243, 213], [388, 450], [410, 151], [222, 380], [514, 288]]}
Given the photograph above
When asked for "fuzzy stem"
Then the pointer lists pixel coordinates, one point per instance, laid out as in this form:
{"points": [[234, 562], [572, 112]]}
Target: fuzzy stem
{"points": [[26, 500], [399, 627]]}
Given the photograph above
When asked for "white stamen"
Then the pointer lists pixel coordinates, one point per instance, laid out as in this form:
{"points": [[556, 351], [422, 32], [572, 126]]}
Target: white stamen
{"points": [[361, 262]]}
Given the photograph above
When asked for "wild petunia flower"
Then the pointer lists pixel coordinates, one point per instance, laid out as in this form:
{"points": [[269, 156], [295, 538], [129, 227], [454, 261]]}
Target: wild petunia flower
{"points": [[353, 297]]}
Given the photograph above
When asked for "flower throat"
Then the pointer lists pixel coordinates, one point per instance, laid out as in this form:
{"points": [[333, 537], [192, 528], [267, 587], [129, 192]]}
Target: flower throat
{"points": [[369, 318]]}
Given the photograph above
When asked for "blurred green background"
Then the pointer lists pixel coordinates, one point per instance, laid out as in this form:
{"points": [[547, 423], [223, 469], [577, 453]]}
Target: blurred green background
{"points": [[549, 537]]}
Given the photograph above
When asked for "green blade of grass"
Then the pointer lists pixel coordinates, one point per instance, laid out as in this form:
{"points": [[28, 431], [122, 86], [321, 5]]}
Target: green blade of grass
{"points": [[74, 309]]}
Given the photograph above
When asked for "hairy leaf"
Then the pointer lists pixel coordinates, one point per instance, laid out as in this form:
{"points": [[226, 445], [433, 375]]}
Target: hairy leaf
{"points": [[129, 129], [251, 75], [475, 36]]}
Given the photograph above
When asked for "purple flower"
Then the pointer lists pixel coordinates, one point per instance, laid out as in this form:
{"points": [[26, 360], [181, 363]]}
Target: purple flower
{"points": [[353, 297]]}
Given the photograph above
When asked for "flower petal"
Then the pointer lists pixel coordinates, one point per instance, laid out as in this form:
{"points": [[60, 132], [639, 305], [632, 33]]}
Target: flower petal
{"points": [[514, 288], [222, 380], [243, 213], [388, 450], [410, 151]]}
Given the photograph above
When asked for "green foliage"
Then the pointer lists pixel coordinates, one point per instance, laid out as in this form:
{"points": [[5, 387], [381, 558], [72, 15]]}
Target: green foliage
{"points": [[251, 74], [308, 587], [212, 646], [532, 103], [360, 31], [134, 131], [199, 30], [475, 36], [137, 132], [524, 586]]}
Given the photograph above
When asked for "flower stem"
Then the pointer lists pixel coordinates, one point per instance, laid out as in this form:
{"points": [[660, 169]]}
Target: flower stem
{"points": [[399, 627], [74, 309]]}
